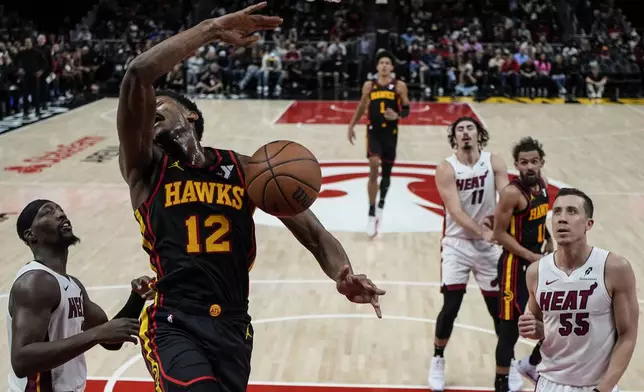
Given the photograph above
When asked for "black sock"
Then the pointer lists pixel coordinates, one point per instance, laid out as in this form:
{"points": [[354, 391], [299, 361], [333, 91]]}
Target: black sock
{"points": [[535, 357], [439, 351], [381, 203], [501, 383], [372, 210]]}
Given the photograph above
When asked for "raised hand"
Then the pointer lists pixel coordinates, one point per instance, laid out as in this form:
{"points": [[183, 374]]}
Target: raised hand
{"points": [[359, 289], [238, 28]]}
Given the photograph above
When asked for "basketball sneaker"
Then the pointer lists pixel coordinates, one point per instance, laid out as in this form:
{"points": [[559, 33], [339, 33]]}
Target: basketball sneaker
{"points": [[515, 382], [436, 378], [527, 370], [372, 226]]}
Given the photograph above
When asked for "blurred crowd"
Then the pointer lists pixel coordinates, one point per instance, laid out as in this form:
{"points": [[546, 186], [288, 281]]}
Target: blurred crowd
{"points": [[455, 47]]}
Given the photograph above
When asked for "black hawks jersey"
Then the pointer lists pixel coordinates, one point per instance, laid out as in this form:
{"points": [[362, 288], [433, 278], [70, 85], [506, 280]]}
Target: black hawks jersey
{"points": [[198, 229], [380, 99], [529, 226]]}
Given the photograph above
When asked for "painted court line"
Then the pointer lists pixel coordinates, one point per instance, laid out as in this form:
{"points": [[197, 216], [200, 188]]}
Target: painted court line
{"points": [[115, 377], [297, 281]]}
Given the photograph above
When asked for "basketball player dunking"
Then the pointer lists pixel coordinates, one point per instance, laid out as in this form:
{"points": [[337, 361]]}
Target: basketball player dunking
{"points": [[583, 304], [520, 228], [197, 223], [387, 101], [51, 320], [468, 182]]}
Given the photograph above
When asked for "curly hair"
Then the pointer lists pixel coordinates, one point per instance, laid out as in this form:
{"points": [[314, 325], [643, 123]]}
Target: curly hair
{"points": [[527, 144], [482, 138], [188, 104]]}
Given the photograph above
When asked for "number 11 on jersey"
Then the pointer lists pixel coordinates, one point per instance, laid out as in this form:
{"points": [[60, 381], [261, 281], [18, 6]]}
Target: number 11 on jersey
{"points": [[477, 197]]}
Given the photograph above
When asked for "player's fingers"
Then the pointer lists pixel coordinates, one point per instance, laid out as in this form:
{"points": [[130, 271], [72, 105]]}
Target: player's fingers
{"points": [[254, 7], [376, 307], [266, 22]]}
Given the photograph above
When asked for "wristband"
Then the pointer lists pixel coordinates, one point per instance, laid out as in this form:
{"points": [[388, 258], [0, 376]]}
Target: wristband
{"points": [[405, 111]]}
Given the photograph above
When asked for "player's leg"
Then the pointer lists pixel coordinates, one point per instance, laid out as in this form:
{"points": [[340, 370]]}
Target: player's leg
{"points": [[230, 345], [455, 269], [485, 271], [374, 154], [387, 165], [174, 358], [512, 301]]}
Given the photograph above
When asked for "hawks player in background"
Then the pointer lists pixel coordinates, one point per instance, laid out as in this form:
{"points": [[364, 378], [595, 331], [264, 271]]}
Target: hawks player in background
{"points": [[387, 101], [468, 182], [583, 304], [520, 228]]}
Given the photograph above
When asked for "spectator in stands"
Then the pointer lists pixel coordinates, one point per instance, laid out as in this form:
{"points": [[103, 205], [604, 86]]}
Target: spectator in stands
{"points": [[510, 72], [574, 79], [467, 82], [31, 65], [494, 68], [210, 81], [558, 74], [522, 56], [595, 83], [529, 78], [174, 79], [271, 68], [543, 67], [45, 78]]}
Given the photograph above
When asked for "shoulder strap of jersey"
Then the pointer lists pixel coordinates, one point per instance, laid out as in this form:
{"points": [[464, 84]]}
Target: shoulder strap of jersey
{"points": [[238, 166], [517, 183], [157, 178]]}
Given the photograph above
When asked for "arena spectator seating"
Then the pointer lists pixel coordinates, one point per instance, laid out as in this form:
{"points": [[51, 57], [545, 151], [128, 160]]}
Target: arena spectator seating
{"points": [[480, 48]]}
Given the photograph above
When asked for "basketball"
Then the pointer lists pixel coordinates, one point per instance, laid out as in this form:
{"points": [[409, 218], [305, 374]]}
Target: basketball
{"points": [[283, 178]]}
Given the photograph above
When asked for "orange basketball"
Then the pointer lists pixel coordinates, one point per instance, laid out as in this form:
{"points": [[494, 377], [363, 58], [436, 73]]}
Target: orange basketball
{"points": [[283, 178]]}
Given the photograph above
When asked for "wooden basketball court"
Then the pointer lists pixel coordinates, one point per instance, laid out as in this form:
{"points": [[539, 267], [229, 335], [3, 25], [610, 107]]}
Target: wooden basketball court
{"points": [[306, 334]]}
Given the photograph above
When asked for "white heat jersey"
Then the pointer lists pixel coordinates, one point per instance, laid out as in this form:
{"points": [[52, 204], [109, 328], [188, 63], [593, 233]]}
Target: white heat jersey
{"points": [[66, 321], [477, 191], [577, 321]]}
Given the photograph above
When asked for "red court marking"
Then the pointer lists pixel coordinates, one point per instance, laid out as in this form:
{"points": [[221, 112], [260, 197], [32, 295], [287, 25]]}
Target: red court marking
{"points": [[340, 112], [147, 386]]}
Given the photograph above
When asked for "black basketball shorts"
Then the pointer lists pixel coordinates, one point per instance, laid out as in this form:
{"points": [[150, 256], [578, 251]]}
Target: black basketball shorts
{"points": [[513, 292], [190, 347], [382, 142]]}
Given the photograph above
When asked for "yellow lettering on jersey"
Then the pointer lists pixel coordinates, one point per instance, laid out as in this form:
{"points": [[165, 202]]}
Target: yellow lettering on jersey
{"points": [[189, 193], [183, 192], [382, 95], [538, 212], [205, 191], [172, 192]]}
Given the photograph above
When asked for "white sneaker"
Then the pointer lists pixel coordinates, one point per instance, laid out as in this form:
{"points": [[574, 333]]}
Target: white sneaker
{"points": [[515, 382], [379, 212], [436, 378], [372, 227], [528, 371]]}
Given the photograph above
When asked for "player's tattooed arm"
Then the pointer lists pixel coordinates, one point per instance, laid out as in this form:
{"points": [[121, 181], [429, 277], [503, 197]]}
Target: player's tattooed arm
{"points": [[364, 101], [509, 201], [620, 281], [531, 322], [500, 169], [446, 185]]}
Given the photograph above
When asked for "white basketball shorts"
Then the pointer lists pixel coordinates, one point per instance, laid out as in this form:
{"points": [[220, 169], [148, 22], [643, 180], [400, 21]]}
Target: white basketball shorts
{"points": [[545, 385], [460, 256]]}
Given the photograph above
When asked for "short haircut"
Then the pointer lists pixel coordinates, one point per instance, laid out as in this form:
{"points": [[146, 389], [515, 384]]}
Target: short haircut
{"points": [[188, 104], [385, 53], [588, 203], [525, 145], [482, 133]]}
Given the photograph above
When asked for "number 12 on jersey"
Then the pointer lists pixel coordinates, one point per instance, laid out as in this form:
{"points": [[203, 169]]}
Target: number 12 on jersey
{"points": [[215, 242]]}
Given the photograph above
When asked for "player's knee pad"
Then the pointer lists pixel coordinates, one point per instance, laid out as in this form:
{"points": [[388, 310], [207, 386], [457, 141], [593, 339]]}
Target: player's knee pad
{"points": [[508, 331], [451, 305]]}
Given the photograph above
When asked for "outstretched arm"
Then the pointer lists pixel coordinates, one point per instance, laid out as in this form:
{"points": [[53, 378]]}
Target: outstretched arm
{"points": [[621, 281], [137, 102]]}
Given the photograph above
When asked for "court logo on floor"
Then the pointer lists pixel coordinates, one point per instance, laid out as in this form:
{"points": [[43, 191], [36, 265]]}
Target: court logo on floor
{"points": [[413, 203]]}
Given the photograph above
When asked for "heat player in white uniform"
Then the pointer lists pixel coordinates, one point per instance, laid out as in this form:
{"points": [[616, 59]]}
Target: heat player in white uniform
{"points": [[468, 182], [583, 304], [51, 321]]}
